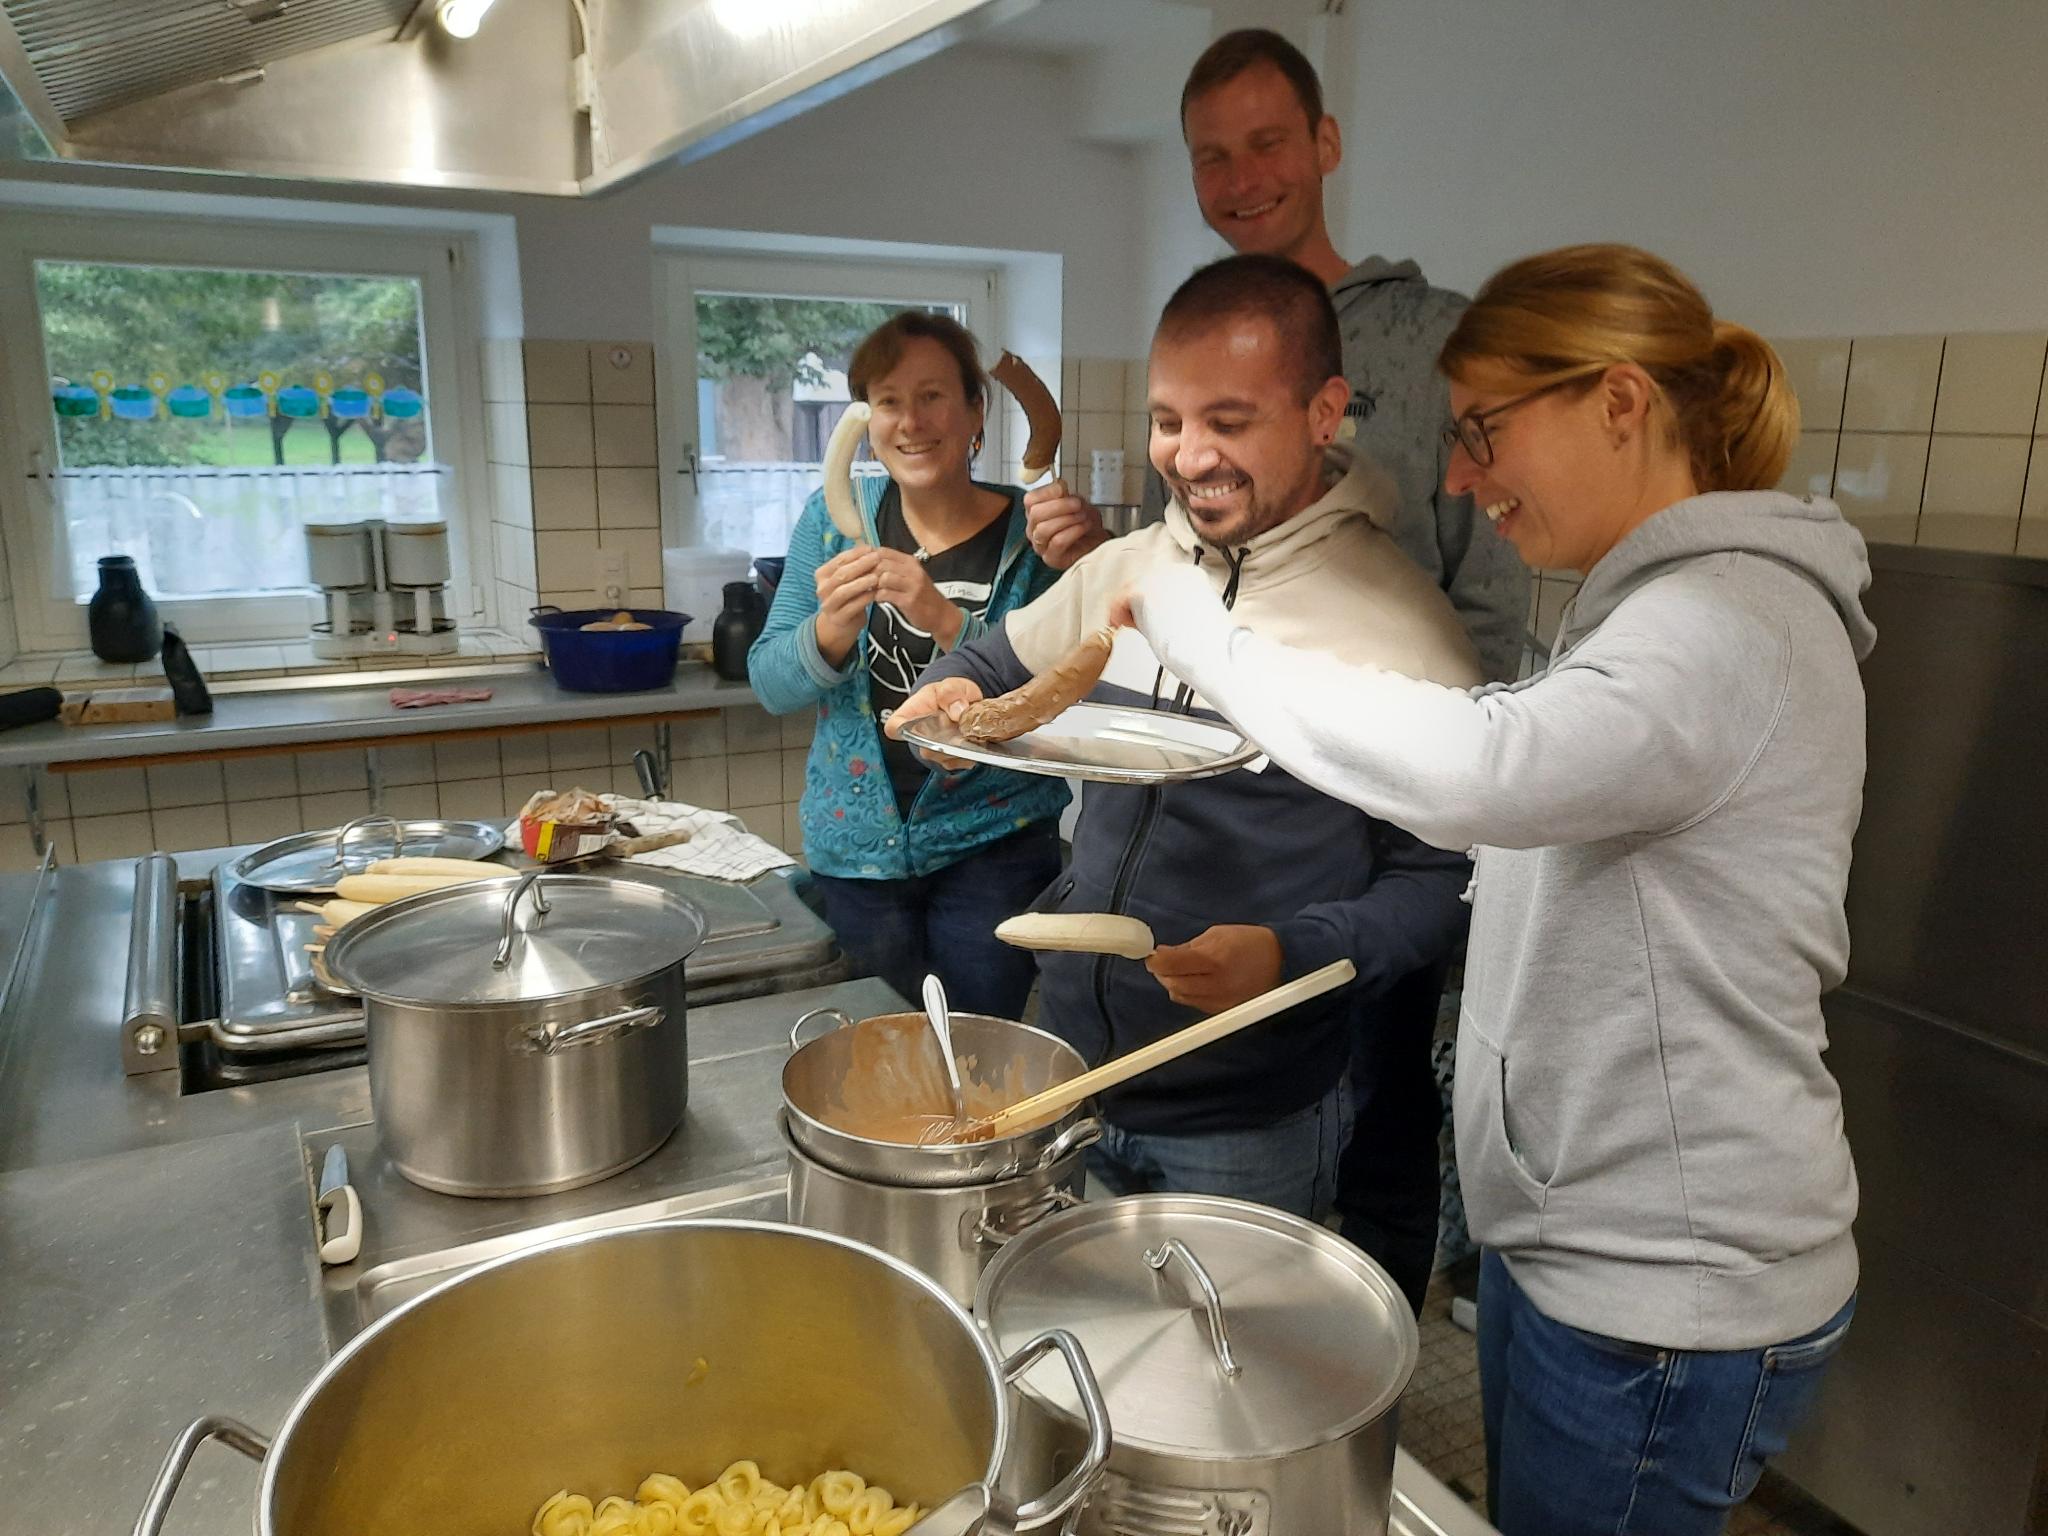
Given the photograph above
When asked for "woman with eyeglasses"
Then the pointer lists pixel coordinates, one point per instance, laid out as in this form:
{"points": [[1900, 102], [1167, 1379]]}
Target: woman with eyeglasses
{"points": [[1650, 1145]]}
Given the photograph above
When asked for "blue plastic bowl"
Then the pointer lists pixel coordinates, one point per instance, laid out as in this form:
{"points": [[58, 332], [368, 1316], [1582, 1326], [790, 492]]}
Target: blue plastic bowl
{"points": [[610, 660]]}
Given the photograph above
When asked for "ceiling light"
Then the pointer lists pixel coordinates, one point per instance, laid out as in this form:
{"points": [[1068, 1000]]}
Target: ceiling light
{"points": [[461, 18]]}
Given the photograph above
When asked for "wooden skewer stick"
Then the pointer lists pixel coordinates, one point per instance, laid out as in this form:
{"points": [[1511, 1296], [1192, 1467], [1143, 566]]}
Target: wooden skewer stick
{"points": [[1063, 1096]]}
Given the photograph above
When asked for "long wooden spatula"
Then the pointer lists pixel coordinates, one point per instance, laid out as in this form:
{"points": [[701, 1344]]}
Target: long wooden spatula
{"points": [[1063, 1096]]}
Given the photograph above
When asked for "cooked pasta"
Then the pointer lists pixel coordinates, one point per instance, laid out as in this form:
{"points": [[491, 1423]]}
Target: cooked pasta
{"points": [[738, 1502]]}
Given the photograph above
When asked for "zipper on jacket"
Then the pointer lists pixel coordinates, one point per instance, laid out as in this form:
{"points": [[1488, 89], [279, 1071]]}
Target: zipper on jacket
{"points": [[1148, 814]]}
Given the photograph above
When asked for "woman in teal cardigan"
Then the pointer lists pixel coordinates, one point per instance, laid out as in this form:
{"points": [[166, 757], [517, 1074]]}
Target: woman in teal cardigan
{"points": [[916, 864]]}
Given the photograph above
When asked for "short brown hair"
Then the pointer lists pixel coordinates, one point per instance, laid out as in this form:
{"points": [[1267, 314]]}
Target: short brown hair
{"points": [[1587, 307], [1271, 288], [882, 349], [1235, 52]]}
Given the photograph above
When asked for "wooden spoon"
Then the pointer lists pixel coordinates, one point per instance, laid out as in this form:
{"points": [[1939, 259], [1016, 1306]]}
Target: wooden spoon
{"points": [[1064, 1096]]}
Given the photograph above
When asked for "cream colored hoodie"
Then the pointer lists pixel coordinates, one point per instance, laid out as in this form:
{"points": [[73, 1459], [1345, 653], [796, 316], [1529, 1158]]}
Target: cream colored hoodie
{"points": [[1330, 579]]}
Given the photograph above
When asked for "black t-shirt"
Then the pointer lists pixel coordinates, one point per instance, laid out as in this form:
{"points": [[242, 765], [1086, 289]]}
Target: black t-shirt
{"points": [[897, 649]]}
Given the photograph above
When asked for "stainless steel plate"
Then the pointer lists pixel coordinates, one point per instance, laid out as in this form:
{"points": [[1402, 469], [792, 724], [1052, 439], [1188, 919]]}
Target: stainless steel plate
{"points": [[1105, 742], [310, 861]]}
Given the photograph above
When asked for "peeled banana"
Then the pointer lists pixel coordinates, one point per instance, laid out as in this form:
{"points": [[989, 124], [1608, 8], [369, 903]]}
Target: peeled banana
{"points": [[1092, 933]]}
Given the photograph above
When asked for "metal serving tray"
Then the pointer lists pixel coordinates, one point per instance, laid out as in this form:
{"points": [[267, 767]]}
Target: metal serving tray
{"points": [[313, 861], [1110, 743]]}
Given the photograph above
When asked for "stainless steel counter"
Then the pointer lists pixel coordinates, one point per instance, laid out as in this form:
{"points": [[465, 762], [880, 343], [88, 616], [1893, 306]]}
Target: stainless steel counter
{"points": [[157, 1250]]}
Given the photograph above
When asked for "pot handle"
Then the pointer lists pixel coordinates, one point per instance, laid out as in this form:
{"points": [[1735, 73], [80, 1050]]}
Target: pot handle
{"points": [[231, 1432], [1070, 1490], [996, 1228], [548, 1039], [530, 881], [1212, 1304], [1084, 1132], [841, 1020], [341, 838]]}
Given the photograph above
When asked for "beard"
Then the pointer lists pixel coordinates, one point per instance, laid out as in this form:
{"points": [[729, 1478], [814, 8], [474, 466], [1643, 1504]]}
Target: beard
{"points": [[1255, 512]]}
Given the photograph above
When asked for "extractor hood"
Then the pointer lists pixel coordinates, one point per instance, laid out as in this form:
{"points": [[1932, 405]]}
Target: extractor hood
{"points": [[557, 96]]}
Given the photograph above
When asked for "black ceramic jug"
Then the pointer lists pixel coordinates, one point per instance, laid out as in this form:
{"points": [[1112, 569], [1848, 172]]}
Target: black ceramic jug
{"points": [[121, 619], [736, 629]]}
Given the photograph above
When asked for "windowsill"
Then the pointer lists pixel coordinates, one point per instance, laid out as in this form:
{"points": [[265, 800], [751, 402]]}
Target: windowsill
{"points": [[255, 661]]}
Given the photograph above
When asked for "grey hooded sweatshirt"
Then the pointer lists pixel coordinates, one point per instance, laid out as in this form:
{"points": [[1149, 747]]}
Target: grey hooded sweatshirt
{"points": [[1646, 1130]]}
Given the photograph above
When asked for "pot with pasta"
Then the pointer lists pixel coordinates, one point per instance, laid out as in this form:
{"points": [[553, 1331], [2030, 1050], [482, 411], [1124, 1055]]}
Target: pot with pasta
{"points": [[688, 1378]]}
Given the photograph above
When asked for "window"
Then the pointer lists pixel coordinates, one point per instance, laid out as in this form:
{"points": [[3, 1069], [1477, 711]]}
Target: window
{"points": [[193, 396], [768, 341]]}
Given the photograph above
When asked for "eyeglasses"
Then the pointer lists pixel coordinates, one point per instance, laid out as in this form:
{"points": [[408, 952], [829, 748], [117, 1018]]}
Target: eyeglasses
{"points": [[1469, 430]]}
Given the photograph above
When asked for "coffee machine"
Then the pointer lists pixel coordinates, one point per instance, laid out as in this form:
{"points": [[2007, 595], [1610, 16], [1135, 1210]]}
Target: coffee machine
{"points": [[384, 588]]}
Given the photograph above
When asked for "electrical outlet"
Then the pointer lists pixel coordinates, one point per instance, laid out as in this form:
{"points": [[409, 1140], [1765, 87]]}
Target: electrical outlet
{"points": [[611, 586]]}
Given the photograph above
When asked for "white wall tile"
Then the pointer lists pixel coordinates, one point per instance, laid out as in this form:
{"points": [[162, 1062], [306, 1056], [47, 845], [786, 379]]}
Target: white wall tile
{"points": [[526, 752], [570, 750], [125, 836], [1878, 479], [107, 791], [755, 778], [565, 500], [624, 435], [522, 787], [504, 369], [794, 760], [642, 547], [701, 781], [14, 797], [792, 831], [1811, 469], [1990, 383], [2034, 509], [749, 728], [558, 371], [560, 435], [698, 738], [175, 784], [512, 495], [1818, 367], [798, 727], [1974, 487], [17, 849], [334, 808], [628, 739], [473, 799], [568, 566], [260, 778], [505, 439], [473, 758], [412, 801], [1101, 382], [191, 827], [259, 821], [629, 498], [1892, 383], [323, 773], [410, 762], [622, 372], [515, 565]]}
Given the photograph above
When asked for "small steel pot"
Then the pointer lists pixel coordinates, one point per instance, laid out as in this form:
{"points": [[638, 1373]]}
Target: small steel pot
{"points": [[1252, 1363], [591, 1361], [892, 1061], [526, 1035], [949, 1232]]}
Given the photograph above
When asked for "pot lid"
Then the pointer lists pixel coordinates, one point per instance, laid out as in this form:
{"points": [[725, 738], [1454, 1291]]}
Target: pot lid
{"points": [[558, 935], [314, 861], [1307, 1339]]}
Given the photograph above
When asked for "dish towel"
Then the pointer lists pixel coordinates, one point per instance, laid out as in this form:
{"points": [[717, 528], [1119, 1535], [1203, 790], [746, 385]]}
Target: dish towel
{"points": [[720, 846]]}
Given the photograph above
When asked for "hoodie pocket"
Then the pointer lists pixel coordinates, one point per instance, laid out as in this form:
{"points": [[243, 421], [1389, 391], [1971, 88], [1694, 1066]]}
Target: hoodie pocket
{"points": [[1503, 1199]]}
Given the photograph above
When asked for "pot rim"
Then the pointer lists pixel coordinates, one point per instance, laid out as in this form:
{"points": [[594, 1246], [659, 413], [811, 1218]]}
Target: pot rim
{"points": [[984, 1345], [1014, 1252], [938, 1151]]}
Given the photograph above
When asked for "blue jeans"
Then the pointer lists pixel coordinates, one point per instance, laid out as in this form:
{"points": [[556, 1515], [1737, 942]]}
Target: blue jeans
{"points": [[1592, 1436], [1290, 1165], [944, 922]]}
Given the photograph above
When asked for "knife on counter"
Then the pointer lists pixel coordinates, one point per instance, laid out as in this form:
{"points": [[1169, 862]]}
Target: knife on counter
{"points": [[340, 1213]]}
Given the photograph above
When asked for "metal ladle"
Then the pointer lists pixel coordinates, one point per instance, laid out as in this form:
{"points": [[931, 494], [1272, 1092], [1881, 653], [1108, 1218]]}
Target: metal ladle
{"points": [[941, 1017]]}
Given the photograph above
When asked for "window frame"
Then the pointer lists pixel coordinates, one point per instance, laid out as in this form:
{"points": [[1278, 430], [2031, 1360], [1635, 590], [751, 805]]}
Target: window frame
{"points": [[686, 270], [442, 262]]}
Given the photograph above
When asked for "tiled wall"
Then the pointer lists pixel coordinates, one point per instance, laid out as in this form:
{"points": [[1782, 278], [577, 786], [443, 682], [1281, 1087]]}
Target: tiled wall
{"points": [[742, 760], [10, 641], [1102, 405], [1932, 440], [573, 469]]}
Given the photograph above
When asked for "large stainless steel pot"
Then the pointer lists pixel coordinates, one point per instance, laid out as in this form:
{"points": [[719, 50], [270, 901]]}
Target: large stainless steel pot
{"points": [[678, 1347], [890, 1064], [951, 1231], [1253, 1362], [527, 1034]]}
